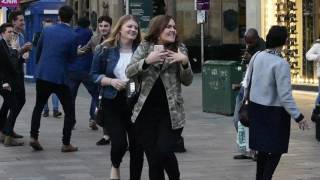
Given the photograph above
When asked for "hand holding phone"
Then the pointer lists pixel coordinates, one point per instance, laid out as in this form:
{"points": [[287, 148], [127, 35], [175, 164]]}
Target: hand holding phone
{"points": [[158, 55], [158, 48]]}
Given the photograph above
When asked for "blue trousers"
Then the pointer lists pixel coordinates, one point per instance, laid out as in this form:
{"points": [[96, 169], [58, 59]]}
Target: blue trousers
{"points": [[239, 98], [55, 103], [75, 79]]}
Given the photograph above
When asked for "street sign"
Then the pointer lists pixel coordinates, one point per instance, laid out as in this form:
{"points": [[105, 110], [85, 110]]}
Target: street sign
{"points": [[9, 3], [202, 5], [142, 10], [201, 16]]}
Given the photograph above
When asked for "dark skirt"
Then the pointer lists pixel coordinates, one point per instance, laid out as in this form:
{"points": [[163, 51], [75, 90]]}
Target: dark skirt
{"points": [[269, 128]]}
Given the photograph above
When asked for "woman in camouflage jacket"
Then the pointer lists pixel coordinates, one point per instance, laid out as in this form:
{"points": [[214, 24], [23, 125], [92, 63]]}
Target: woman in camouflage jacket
{"points": [[161, 65]]}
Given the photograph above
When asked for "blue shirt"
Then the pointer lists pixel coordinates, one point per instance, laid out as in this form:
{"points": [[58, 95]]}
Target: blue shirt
{"points": [[83, 62]]}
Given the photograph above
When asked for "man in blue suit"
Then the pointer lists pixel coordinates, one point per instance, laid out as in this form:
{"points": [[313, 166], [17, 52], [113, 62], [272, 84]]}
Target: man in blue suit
{"points": [[56, 48]]}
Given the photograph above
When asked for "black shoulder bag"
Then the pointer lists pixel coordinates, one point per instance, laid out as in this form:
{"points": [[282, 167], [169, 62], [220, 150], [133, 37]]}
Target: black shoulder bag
{"points": [[99, 119], [243, 111]]}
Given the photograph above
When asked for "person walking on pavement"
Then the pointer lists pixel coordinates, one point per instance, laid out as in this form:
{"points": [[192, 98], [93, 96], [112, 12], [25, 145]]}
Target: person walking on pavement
{"points": [[55, 107], [161, 63], [268, 88], [56, 47], [11, 87], [254, 43], [108, 70], [17, 43], [104, 28], [79, 68]]}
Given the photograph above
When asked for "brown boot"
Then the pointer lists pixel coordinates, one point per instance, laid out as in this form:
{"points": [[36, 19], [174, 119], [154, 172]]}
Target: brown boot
{"points": [[9, 141], [35, 145], [69, 148]]}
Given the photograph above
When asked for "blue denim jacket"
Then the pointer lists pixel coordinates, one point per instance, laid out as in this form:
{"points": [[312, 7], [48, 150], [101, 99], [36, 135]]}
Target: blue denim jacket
{"points": [[104, 61]]}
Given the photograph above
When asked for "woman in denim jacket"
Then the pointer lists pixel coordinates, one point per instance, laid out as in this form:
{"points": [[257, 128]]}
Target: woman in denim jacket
{"points": [[161, 64], [108, 70]]}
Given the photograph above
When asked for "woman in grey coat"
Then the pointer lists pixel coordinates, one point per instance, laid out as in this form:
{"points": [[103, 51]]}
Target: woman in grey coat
{"points": [[271, 103]]}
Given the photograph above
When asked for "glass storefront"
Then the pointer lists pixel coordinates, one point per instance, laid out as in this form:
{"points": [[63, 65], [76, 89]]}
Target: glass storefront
{"points": [[297, 16]]}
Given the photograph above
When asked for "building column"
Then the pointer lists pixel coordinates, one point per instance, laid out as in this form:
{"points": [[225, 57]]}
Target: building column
{"points": [[116, 9], [253, 15]]}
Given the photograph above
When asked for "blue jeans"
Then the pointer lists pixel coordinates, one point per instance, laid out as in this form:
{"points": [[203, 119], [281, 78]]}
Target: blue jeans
{"points": [[55, 103], [75, 79], [239, 98]]}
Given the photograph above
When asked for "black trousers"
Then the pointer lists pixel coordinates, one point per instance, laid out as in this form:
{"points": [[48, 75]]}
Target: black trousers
{"points": [[10, 109], [121, 130], [266, 165], [44, 89], [155, 133]]}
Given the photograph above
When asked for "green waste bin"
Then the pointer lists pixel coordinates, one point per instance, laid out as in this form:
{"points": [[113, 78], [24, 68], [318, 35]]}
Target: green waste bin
{"points": [[218, 85]]}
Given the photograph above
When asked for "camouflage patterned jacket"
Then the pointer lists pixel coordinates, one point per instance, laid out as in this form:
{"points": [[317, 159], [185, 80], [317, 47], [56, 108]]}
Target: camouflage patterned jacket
{"points": [[172, 76]]}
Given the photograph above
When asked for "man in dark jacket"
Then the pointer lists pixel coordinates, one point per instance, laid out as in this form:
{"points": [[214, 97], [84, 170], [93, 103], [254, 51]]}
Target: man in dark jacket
{"points": [[19, 52], [104, 29], [254, 43], [79, 68], [11, 86]]}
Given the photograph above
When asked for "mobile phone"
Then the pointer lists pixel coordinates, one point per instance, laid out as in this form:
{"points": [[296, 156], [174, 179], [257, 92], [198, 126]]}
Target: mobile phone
{"points": [[158, 48]]}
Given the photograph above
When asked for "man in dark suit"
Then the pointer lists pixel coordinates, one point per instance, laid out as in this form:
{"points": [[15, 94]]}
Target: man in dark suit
{"points": [[56, 47], [11, 86], [20, 48]]}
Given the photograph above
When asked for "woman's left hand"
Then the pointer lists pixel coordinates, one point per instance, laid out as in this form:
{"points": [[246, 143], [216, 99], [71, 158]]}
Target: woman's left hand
{"points": [[177, 57]]}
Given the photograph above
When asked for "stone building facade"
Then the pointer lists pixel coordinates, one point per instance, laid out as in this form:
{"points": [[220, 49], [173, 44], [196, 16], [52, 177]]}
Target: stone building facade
{"points": [[217, 30]]}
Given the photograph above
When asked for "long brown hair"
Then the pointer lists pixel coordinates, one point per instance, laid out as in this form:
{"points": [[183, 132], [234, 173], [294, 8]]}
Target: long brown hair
{"points": [[114, 38], [156, 26]]}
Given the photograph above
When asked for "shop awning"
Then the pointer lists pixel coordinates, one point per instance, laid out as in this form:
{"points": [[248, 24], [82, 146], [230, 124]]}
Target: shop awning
{"points": [[27, 1], [9, 3]]}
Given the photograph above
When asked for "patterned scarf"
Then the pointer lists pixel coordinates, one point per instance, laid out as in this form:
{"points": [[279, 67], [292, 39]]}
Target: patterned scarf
{"points": [[276, 52]]}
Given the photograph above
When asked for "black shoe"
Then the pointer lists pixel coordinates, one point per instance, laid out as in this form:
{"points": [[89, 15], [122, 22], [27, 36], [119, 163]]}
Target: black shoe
{"points": [[16, 136], [102, 142], [57, 114], [45, 114], [241, 156]]}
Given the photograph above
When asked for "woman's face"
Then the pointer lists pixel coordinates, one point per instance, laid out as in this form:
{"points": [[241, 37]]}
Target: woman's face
{"points": [[168, 35], [129, 30]]}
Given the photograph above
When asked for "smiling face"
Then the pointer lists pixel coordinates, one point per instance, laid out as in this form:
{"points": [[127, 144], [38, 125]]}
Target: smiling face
{"points": [[168, 35], [129, 30], [104, 28]]}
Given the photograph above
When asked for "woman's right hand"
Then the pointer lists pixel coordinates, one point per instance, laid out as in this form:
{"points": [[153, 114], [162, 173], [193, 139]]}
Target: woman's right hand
{"points": [[116, 83], [156, 57]]}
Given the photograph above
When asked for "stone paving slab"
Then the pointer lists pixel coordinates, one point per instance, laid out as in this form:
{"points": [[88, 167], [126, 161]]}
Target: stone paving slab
{"points": [[209, 139]]}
